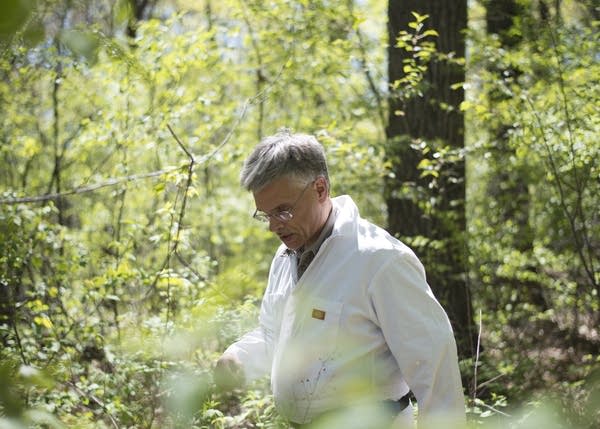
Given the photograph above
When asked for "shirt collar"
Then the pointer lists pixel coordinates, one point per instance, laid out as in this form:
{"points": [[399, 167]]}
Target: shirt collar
{"points": [[325, 233]]}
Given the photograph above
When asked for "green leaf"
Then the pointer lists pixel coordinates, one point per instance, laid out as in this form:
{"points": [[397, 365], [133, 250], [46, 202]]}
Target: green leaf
{"points": [[123, 11], [420, 18]]}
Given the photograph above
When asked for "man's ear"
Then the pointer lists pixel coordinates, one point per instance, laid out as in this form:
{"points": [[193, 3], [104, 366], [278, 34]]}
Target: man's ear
{"points": [[322, 188]]}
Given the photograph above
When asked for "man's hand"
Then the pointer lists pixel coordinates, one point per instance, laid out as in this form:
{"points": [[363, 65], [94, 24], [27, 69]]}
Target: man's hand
{"points": [[228, 373]]}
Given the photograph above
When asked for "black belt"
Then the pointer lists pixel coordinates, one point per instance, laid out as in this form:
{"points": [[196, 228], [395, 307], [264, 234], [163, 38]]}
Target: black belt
{"points": [[398, 405], [395, 407]]}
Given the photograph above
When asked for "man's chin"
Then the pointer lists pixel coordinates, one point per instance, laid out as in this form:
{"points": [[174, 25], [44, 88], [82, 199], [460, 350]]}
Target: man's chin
{"points": [[291, 242]]}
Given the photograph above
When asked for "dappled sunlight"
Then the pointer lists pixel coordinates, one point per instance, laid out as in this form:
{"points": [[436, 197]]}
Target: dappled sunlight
{"points": [[130, 260]]}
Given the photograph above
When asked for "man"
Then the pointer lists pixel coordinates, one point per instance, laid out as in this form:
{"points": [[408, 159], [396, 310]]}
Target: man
{"points": [[348, 321]]}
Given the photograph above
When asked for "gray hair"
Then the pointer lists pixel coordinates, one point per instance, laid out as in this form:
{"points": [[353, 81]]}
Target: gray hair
{"points": [[284, 154]]}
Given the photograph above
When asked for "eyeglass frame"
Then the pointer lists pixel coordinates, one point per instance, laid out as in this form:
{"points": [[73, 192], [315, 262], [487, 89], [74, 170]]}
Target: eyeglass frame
{"points": [[282, 215]]}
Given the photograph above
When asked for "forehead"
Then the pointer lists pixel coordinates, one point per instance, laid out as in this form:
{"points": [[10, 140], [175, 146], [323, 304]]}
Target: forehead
{"points": [[277, 194]]}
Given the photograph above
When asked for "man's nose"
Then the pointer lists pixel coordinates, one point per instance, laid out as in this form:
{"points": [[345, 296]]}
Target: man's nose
{"points": [[275, 224]]}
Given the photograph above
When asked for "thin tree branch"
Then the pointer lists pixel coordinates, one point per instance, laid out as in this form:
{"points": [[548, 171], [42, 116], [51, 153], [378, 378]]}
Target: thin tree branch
{"points": [[477, 357], [95, 399], [491, 380], [571, 217], [496, 410], [186, 189], [90, 188], [195, 161], [580, 182], [181, 145], [173, 250], [19, 344]]}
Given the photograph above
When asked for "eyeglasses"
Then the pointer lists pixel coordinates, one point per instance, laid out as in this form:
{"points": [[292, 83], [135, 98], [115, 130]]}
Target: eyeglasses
{"points": [[283, 215]]}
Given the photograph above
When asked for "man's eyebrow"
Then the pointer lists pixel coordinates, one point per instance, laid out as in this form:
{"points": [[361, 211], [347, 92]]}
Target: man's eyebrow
{"points": [[283, 206], [280, 207]]}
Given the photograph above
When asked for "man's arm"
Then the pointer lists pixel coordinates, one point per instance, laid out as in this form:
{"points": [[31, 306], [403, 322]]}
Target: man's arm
{"points": [[251, 356], [245, 360], [229, 373], [419, 335]]}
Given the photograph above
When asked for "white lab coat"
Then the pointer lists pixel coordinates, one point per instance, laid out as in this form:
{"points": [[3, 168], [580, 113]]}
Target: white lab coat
{"points": [[361, 323]]}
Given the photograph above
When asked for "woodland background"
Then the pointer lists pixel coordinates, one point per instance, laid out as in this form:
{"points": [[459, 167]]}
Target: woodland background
{"points": [[128, 256]]}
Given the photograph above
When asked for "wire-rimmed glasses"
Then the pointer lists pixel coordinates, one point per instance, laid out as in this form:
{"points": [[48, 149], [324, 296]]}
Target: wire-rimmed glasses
{"points": [[282, 215]]}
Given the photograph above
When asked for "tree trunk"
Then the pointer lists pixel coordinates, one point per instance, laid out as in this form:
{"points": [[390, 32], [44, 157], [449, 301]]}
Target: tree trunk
{"points": [[434, 117]]}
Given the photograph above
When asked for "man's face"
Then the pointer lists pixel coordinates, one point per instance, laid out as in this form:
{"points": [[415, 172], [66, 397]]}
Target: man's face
{"points": [[306, 203]]}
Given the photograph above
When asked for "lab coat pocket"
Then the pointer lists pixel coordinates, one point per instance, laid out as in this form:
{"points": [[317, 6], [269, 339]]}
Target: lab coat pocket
{"points": [[307, 351], [309, 330], [321, 326]]}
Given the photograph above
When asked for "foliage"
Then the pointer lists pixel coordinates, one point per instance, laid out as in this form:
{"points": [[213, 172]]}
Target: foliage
{"points": [[126, 258], [127, 261], [422, 50], [534, 231]]}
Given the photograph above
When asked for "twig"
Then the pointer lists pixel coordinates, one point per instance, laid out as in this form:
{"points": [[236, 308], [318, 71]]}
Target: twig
{"points": [[190, 166], [477, 358], [97, 401], [188, 184], [496, 410], [141, 176], [189, 266], [19, 344], [89, 188], [181, 145], [491, 380], [571, 217], [579, 181], [173, 250]]}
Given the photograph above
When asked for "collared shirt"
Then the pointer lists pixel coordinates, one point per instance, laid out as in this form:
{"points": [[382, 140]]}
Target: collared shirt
{"points": [[325, 232], [362, 322], [316, 245]]}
